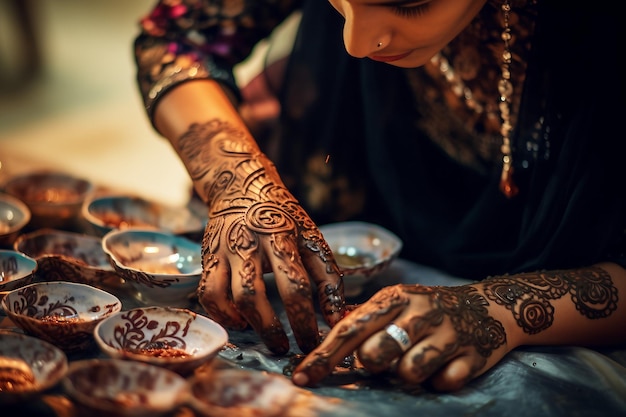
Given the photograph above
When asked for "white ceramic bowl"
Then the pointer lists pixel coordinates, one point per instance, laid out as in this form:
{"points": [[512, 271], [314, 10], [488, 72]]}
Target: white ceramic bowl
{"points": [[163, 268], [69, 256], [362, 251], [110, 212], [16, 270], [119, 388], [14, 216], [62, 313], [178, 339], [28, 367]]}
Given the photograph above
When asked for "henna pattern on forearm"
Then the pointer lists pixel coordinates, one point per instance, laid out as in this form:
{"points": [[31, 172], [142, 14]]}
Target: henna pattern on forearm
{"points": [[528, 296]]}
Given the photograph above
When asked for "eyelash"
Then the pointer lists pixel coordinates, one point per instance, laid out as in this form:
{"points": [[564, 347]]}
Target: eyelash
{"points": [[411, 11]]}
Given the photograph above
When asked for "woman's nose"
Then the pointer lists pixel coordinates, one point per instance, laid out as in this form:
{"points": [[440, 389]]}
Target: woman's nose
{"points": [[362, 33]]}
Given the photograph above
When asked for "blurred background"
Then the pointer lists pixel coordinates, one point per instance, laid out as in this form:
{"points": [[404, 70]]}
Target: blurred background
{"points": [[68, 98]]}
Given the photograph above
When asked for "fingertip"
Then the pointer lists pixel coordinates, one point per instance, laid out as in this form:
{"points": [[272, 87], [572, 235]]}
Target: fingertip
{"points": [[459, 370], [300, 378], [453, 377]]}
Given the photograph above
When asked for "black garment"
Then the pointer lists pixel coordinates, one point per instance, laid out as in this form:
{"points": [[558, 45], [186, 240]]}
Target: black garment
{"points": [[356, 136], [571, 208]]}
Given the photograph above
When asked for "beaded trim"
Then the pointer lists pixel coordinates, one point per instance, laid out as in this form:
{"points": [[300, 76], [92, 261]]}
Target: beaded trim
{"points": [[505, 89]]}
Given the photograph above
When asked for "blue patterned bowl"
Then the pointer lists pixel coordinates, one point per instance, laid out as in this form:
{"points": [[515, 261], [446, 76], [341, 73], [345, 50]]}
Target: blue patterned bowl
{"points": [[28, 367], [68, 256], [178, 339], [14, 216], [16, 270], [163, 268], [62, 313]]}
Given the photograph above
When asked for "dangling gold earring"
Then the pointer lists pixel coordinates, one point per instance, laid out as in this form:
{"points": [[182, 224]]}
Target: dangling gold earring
{"points": [[505, 88]]}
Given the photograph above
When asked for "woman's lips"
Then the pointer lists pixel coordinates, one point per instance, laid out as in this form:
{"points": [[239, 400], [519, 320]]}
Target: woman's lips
{"points": [[382, 58]]}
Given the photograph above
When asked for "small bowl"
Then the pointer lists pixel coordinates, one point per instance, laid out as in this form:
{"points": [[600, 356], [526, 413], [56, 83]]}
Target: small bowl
{"points": [[174, 338], [110, 212], [14, 216], [62, 313], [16, 270], [28, 367], [239, 392], [362, 250], [54, 199], [115, 387], [163, 268], [69, 256]]}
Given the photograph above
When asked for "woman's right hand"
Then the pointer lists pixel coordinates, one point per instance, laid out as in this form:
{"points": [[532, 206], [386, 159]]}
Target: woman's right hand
{"points": [[256, 226]]}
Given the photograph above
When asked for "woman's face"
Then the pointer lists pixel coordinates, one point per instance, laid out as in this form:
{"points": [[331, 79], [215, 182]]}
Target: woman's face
{"points": [[410, 32]]}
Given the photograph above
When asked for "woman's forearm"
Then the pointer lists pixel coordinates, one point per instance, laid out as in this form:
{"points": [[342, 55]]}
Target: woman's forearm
{"points": [[198, 102], [194, 101], [576, 306]]}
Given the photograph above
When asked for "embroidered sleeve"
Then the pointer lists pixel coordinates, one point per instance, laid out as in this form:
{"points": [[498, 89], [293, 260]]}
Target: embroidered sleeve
{"points": [[181, 40]]}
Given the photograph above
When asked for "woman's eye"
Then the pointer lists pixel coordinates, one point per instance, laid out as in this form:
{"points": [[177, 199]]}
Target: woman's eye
{"points": [[411, 11]]}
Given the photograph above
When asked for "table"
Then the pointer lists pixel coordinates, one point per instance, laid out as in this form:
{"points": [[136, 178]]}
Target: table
{"points": [[555, 381]]}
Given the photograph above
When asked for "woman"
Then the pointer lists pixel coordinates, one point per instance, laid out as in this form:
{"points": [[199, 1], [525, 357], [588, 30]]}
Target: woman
{"points": [[483, 132]]}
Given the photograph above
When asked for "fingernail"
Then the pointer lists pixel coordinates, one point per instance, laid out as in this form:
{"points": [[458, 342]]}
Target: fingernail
{"points": [[300, 378]]}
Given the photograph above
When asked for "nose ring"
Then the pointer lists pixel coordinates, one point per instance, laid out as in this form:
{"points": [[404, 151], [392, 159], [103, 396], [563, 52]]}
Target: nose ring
{"points": [[379, 44]]}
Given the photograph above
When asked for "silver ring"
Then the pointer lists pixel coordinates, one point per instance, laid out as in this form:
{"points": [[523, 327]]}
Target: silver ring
{"points": [[399, 335], [379, 44]]}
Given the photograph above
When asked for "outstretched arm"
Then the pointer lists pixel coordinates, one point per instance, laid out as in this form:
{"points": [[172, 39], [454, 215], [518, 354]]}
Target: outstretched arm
{"points": [[447, 336]]}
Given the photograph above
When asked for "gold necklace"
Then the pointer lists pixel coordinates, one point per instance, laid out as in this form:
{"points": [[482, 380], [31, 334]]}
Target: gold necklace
{"points": [[505, 89]]}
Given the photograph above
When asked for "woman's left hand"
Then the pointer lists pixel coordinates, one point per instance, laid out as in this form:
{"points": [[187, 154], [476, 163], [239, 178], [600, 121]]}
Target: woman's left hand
{"points": [[443, 335]]}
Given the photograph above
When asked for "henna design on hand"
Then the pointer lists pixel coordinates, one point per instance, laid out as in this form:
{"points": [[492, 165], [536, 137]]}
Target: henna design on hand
{"points": [[251, 211], [209, 262], [386, 302], [467, 311], [330, 295], [528, 296], [240, 181], [464, 307]]}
